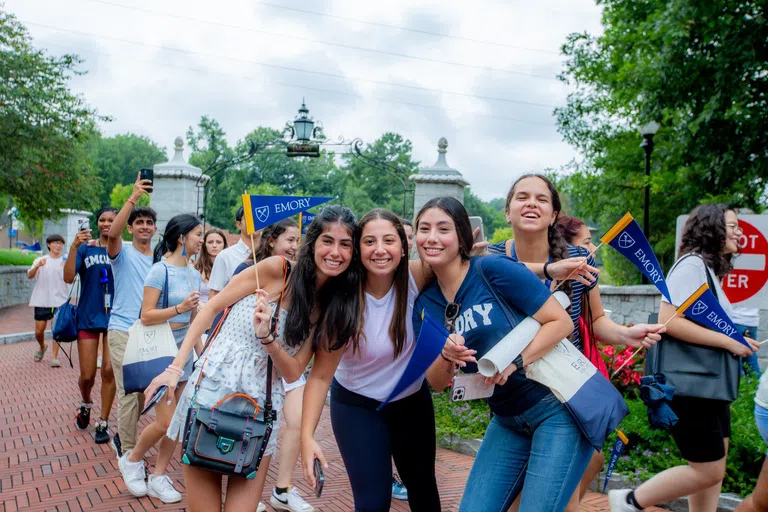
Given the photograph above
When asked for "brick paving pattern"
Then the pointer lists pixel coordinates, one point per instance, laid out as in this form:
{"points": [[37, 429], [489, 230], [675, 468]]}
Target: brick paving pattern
{"points": [[48, 464]]}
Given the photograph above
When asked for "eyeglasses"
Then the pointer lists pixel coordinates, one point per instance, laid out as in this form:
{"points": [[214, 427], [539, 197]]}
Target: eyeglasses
{"points": [[734, 226], [451, 312]]}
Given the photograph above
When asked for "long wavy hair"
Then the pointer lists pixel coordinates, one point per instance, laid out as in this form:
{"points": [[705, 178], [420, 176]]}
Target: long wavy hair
{"points": [[177, 227], [269, 235], [558, 247], [397, 327], [705, 233], [204, 261], [456, 211], [336, 304]]}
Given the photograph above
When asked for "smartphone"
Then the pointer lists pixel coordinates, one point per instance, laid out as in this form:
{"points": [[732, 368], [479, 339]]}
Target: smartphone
{"points": [[470, 386], [147, 174], [477, 222], [159, 394], [319, 478], [83, 224]]}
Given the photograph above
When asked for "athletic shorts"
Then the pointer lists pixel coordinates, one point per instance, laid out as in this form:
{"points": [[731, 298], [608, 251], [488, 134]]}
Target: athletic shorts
{"points": [[703, 425], [290, 386], [91, 334], [44, 314]]}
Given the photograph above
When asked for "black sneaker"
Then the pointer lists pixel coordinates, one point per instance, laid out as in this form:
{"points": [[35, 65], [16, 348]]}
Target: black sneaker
{"points": [[101, 435], [83, 418], [116, 446]]}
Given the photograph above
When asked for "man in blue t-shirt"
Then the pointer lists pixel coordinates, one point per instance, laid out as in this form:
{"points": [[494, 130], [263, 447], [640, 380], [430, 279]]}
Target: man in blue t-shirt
{"points": [[130, 265], [88, 260]]}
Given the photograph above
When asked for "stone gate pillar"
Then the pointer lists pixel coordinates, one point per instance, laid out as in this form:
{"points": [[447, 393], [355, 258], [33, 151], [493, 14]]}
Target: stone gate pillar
{"points": [[438, 180]]}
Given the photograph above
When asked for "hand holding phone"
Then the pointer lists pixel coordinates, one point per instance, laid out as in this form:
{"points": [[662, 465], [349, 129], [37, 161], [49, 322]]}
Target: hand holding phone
{"points": [[148, 174], [319, 478], [159, 394], [470, 386]]}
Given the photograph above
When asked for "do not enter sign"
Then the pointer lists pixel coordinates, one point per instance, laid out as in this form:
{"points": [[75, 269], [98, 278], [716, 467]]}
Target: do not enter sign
{"points": [[747, 284]]}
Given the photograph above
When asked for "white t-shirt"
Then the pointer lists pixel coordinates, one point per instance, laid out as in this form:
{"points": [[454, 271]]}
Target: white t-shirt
{"points": [[746, 316], [225, 264], [688, 276], [50, 290], [374, 371]]}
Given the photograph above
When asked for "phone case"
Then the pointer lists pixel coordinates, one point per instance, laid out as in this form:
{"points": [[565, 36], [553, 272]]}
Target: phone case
{"points": [[470, 386]]}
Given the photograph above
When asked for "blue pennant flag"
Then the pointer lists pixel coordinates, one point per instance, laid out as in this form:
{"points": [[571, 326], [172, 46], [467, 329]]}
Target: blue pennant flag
{"points": [[306, 220], [703, 308], [429, 344], [618, 447], [627, 238], [262, 211]]}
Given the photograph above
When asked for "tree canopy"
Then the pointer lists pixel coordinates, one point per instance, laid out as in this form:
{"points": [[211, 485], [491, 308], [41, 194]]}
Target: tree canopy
{"points": [[700, 69]]}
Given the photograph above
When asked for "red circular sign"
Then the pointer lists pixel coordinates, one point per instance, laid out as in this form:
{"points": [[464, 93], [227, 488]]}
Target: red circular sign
{"points": [[743, 283]]}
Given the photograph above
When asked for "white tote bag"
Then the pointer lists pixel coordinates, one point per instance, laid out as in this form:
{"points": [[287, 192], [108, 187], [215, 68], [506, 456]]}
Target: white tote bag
{"points": [[150, 349]]}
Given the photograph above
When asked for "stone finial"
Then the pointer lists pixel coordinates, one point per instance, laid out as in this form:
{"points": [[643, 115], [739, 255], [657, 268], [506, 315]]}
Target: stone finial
{"points": [[442, 145], [178, 144]]}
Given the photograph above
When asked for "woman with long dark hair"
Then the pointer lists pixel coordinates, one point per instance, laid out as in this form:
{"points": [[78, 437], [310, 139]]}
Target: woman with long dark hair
{"points": [[175, 281], [533, 208], [532, 444], [319, 308], [710, 239], [213, 243], [363, 374]]}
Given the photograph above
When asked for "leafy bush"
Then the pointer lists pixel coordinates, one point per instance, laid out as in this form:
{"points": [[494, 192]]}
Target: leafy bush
{"points": [[467, 419]]}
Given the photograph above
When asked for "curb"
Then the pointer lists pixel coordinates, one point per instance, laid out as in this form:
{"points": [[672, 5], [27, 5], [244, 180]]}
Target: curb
{"points": [[727, 502], [20, 337]]}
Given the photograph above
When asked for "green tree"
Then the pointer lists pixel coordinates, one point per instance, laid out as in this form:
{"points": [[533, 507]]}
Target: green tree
{"points": [[700, 70], [117, 160], [44, 128], [117, 198], [493, 219]]}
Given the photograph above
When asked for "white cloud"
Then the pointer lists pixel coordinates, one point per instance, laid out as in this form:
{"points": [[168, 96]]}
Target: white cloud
{"points": [[156, 68]]}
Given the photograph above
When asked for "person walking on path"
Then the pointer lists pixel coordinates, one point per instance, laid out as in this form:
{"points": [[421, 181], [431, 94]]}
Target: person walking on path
{"points": [[227, 261], [182, 239], [49, 292], [130, 265], [97, 289]]}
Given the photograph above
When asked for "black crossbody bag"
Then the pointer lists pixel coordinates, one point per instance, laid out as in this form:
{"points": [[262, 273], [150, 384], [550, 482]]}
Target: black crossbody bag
{"points": [[226, 442], [695, 370]]}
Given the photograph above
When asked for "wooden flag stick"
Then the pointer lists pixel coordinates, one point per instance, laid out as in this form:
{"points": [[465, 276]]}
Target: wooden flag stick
{"points": [[577, 268], [638, 350], [764, 341], [253, 248]]}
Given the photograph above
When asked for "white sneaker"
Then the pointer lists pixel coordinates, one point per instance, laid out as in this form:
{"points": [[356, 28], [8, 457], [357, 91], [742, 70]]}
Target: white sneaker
{"points": [[161, 487], [133, 475], [618, 501], [261, 508], [290, 501]]}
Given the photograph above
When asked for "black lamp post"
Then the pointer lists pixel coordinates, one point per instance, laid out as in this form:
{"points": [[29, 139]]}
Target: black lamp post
{"points": [[648, 130], [304, 131]]}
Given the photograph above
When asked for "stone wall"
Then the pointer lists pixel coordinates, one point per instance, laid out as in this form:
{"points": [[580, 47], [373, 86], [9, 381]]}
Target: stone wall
{"points": [[15, 288], [632, 304]]}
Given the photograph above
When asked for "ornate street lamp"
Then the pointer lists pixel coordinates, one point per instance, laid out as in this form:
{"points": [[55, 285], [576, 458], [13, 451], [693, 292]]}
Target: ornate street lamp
{"points": [[303, 130], [647, 130]]}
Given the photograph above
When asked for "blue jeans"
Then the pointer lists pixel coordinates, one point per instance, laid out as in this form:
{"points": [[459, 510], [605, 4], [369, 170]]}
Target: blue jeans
{"points": [[761, 418], [540, 452], [750, 362]]}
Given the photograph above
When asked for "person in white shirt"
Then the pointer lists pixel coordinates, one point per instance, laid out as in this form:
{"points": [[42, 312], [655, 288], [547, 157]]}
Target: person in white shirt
{"points": [[227, 261], [746, 321], [50, 292]]}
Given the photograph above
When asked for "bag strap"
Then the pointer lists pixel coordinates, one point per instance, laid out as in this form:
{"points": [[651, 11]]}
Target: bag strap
{"points": [[503, 303], [710, 282], [166, 291]]}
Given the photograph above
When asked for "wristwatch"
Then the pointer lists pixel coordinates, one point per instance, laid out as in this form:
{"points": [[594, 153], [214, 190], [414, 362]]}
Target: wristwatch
{"points": [[518, 362]]}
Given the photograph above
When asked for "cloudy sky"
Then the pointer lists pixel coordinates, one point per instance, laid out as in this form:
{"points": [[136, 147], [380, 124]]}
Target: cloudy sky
{"points": [[481, 73]]}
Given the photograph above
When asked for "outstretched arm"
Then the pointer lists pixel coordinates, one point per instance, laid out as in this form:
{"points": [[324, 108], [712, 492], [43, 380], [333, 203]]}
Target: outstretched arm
{"points": [[115, 240]]}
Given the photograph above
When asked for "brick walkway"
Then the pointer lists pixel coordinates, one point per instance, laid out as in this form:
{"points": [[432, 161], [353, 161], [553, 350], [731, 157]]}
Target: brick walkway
{"points": [[47, 464], [16, 319]]}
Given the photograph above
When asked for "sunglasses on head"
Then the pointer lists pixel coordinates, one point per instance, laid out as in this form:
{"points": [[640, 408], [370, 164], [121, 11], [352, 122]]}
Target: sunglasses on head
{"points": [[451, 312]]}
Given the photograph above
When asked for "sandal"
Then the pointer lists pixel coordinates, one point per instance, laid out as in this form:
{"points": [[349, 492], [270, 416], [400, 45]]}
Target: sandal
{"points": [[40, 353]]}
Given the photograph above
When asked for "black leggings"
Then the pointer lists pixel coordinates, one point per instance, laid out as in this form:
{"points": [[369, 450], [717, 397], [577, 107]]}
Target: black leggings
{"points": [[369, 439]]}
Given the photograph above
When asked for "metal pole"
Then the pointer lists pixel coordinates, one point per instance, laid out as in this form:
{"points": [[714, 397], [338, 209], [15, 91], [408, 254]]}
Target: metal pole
{"points": [[647, 145]]}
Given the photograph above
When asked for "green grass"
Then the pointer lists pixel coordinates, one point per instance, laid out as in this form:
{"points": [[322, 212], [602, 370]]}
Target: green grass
{"points": [[15, 257]]}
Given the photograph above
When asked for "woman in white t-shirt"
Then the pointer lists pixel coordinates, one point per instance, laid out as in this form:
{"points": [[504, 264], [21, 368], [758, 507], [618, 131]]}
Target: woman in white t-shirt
{"points": [[710, 239], [50, 292], [362, 375]]}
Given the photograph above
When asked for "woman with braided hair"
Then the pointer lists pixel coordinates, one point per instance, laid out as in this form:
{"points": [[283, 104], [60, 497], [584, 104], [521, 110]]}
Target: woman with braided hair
{"points": [[533, 208]]}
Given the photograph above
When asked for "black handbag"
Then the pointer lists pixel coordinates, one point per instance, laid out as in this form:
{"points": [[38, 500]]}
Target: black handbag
{"points": [[694, 370], [226, 442]]}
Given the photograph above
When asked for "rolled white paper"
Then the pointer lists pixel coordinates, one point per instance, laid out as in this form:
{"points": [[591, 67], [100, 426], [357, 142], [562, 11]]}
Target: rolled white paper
{"points": [[511, 345]]}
